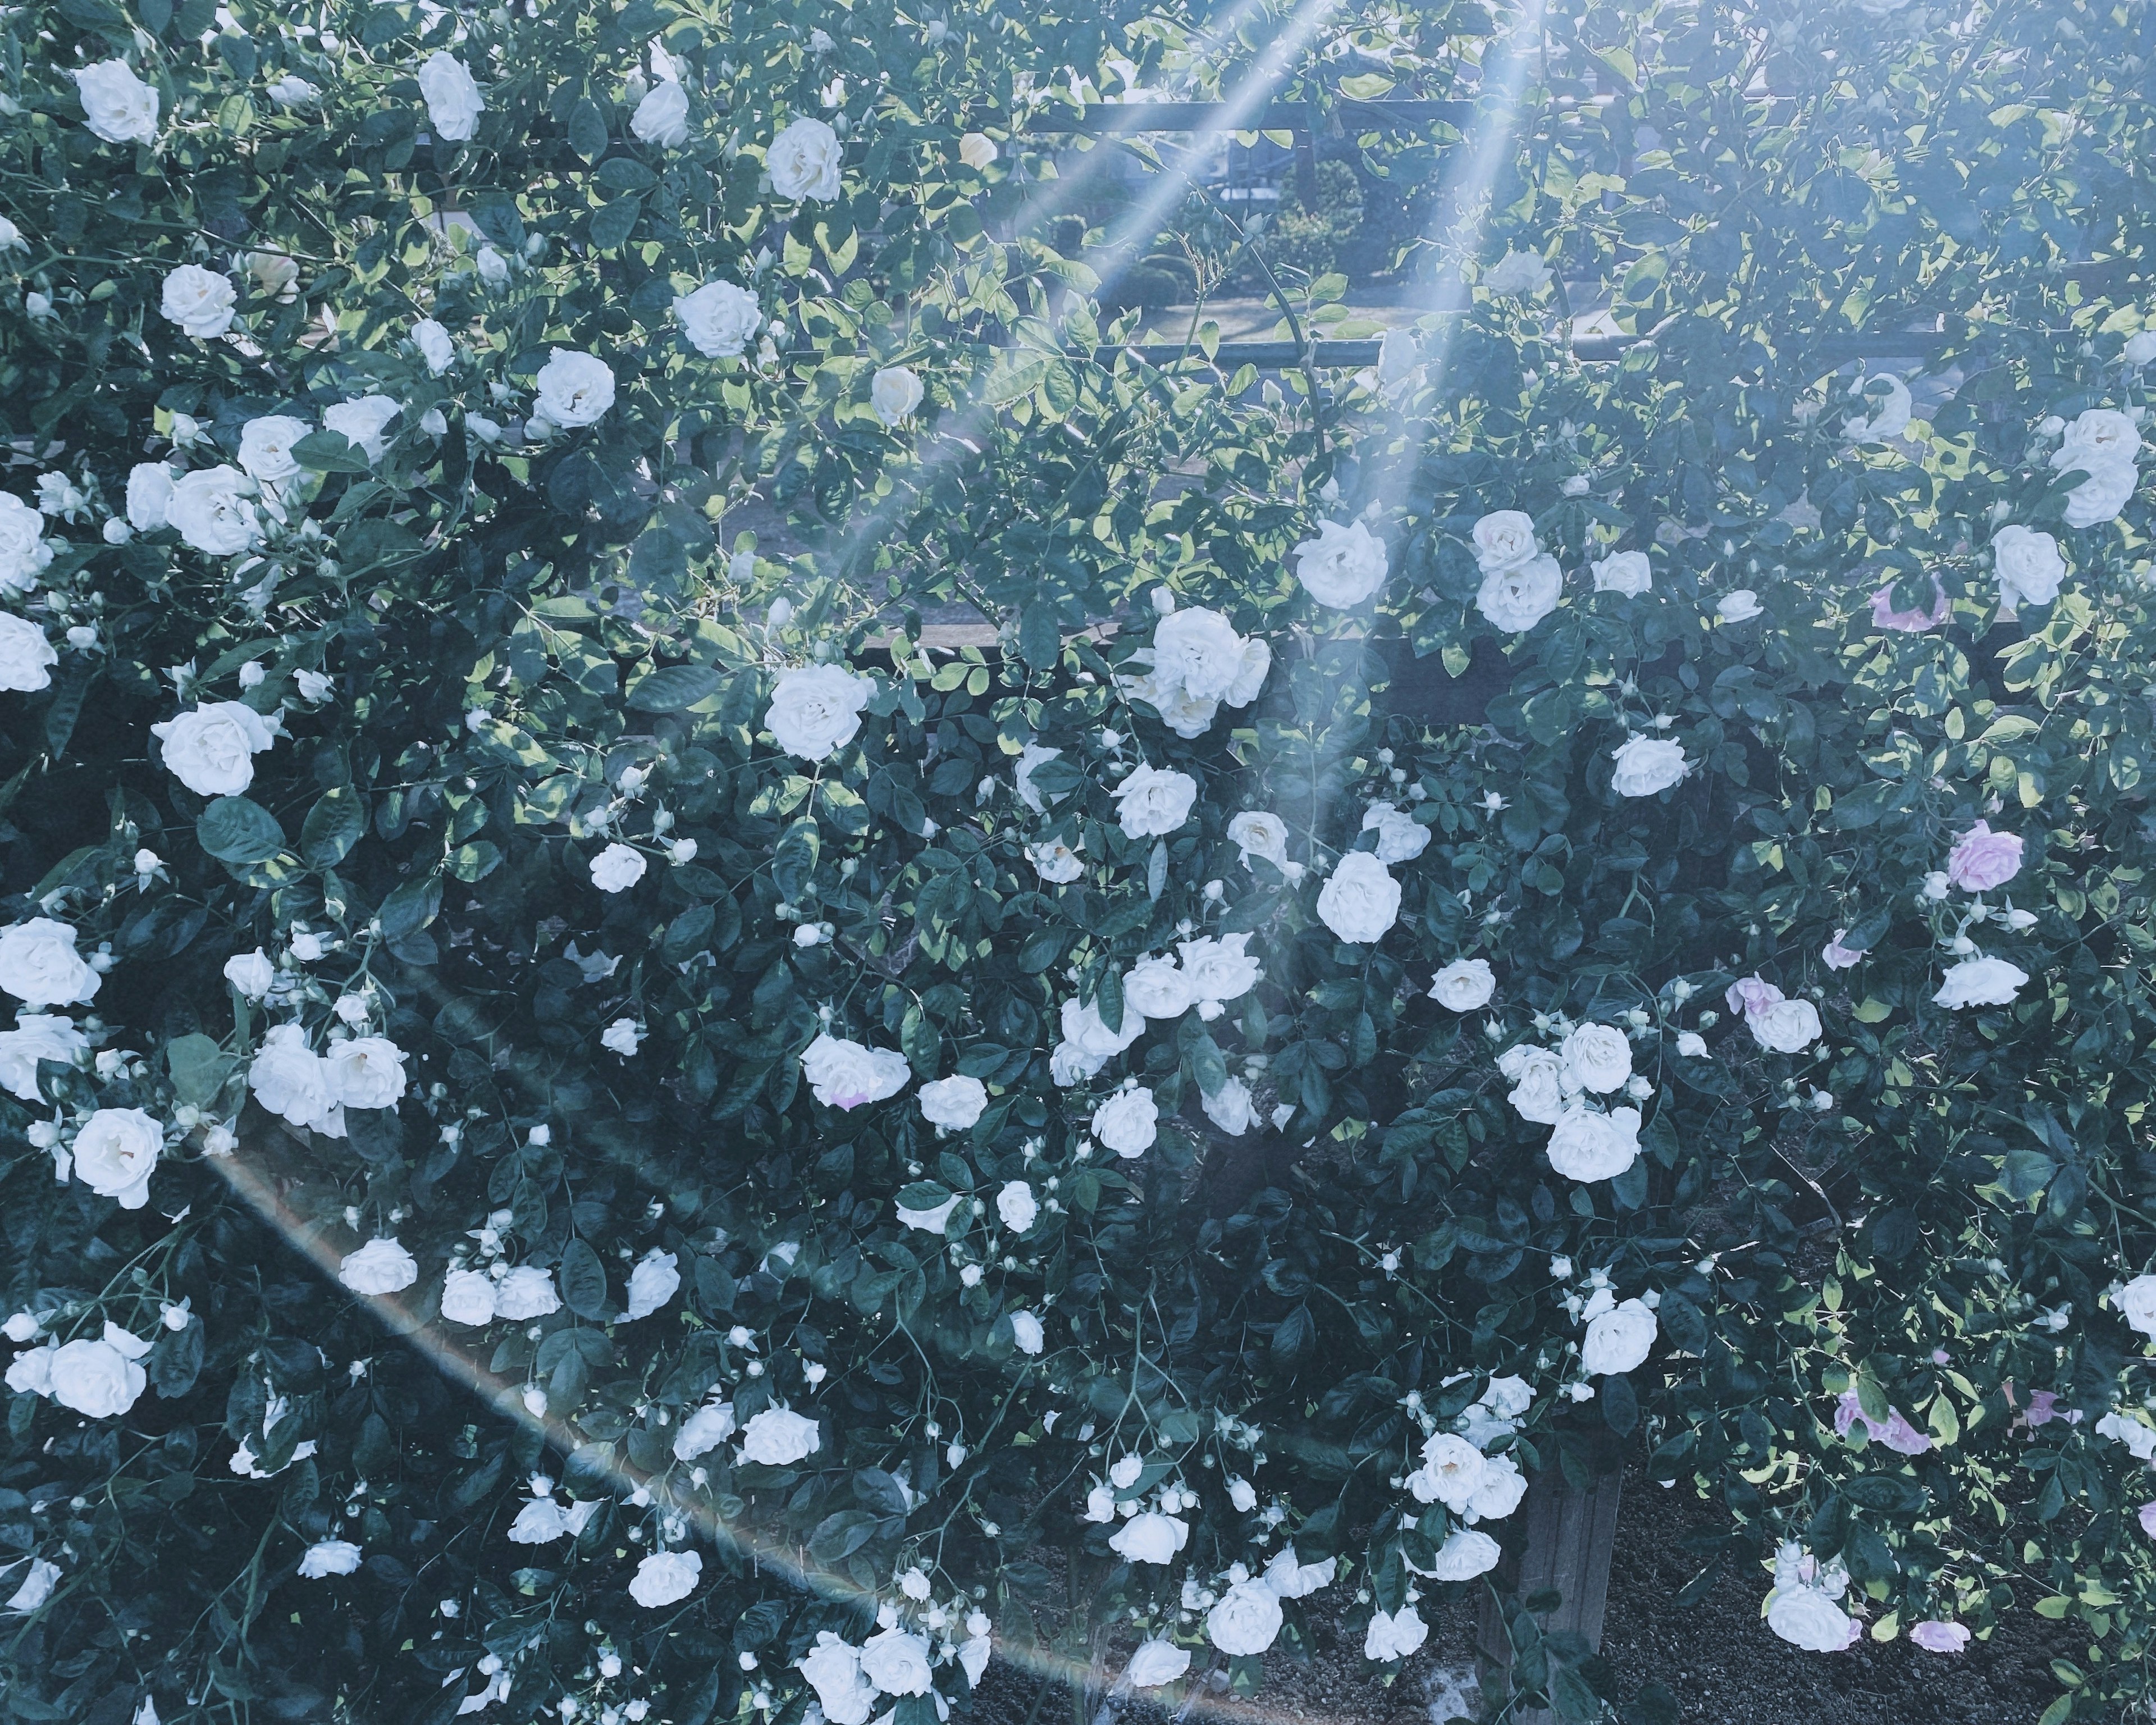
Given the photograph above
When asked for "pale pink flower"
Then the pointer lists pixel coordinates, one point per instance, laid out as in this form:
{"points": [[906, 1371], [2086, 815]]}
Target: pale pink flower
{"points": [[1837, 956], [1909, 623], [2147, 1516], [1934, 1637], [1982, 859]]}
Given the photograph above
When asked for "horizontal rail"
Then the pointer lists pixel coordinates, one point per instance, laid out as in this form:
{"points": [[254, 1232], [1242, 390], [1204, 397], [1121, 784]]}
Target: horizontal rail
{"points": [[1353, 355], [1116, 118]]}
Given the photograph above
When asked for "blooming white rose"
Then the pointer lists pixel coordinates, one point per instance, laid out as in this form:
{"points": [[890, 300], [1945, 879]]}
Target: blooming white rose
{"points": [[1292, 1578], [1499, 1492], [665, 1578], [1628, 572], [816, 711], [844, 1075], [1230, 1107], [1056, 862], [99, 1379], [573, 389], [1618, 1339], [1451, 1468], [1538, 1077], [1361, 900], [656, 1279], [1157, 989], [617, 868], [453, 101], [953, 1103], [803, 161], [435, 347], [1394, 1636], [366, 1072], [977, 149], [1646, 766], [1786, 1026], [894, 393], [1153, 800], [1692, 1045], [624, 1037], [1027, 1333], [1401, 838], [1516, 599], [23, 552], [2140, 347], [1888, 419], [468, 1297], [1597, 1057], [289, 1079], [328, 1557], [1198, 651], [1246, 1620], [2136, 1302], [292, 91], [1017, 1206], [1034, 755], [897, 1661], [527, 1291], [211, 750], [251, 974], [1150, 1537], [704, 1430], [2099, 437], [2109, 487], [213, 511], [1465, 985], [1128, 1122], [363, 422], [1808, 1619], [1156, 1662], [661, 119], [1740, 605], [1464, 1556], [778, 1437], [36, 1036], [1083, 1026], [1520, 273], [265, 447], [37, 1586], [2137, 1435], [1343, 566], [1505, 539], [1261, 833], [2028, 566], [1981, 982], [117, 106], [1586, 1145], [26, 656], [39, 967], [199, 301], [719, 319], [380, 1266], [149, 496], [1219, 969], [834, 1671], [115, 1151]]}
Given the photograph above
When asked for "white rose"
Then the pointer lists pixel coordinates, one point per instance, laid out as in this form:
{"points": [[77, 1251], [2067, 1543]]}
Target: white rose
{"points": [[1692, 1045], [894, 392], [1157, 989], [211, 750], [1646, 766], [467, 1298], [704, 1430], [1056, 862], [1588, 1145], [1026, 1332], [37, 1586], [1343, 566], [265, 446], [1786, 1026], [1981, 982], [1465, 985], [1740, 605], [1229, 1107], [1807, 1618], [977, 149], [2099, 437], [366, 1072], [38, 965], [573, 388], [719, 319], [665, 1578], [1464, 1556], [1891, 417], [453, 101], [1516, 599], [199, 301], [1033, 756], [1505, 539], [817, 711], [1401, 838], [2136, 1302], [380, 1266], [1292, 1578], [844, 1075], [1200, 651], [1152, 801], [364, 423], [617, 868], [149, 496], [212, 510], [115, 1151], [954, 1103], [1129, 1121], [1628, 572], [624, 1036], [1393, 1637], [778, 1437], [26, 656], [1017, 1206], [1219, 969], [1596, 1057], [23, 552], [291, 91], [834, 1671], [1261, 833], [36, 1036], [434, 345], [2028, 566], [897, 1661], [2140, 347], [31, 1373], [289, 1079], [1150, 1537], [2109, 487], [1361, 900], [527, 1291], [1538, 1077], [251, 973], [1618, 1339], [1246, 1620], [1155, 1663], [1520, 273], [117, 105], [1451, 1468], [99, 1379], [661, 119], [656, 1279], [803, 162]]}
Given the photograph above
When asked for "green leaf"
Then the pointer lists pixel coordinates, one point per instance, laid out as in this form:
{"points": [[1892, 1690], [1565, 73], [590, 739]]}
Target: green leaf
{"points": [[2025, 1173], [331, 452], [672, 687], [233, 830], [614, 222], [332, 826], [198, 1065], [587, 130], [1039, 636], [583, 1281]]}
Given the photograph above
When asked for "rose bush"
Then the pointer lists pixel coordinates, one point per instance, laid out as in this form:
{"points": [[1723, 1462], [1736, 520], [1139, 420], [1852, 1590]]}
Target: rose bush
{"points": [[1477, 914]]}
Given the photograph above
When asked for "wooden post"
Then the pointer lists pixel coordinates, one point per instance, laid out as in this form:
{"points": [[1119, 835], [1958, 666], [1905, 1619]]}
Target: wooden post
{"points": [[1567, 1536]]}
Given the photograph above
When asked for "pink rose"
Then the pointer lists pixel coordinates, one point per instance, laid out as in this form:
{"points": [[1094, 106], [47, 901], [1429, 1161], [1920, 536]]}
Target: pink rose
{"points": [[2147, 1513], [2043, 1408], [1894, 1431], [1751, 996], [1909, 623], [1936, 1637], [1836, 956], [1982, 859]]}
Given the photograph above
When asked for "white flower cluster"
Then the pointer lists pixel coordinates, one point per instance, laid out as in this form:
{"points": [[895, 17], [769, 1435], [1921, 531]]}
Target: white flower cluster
{"points": [[1196, 663], [1556, 1087], [1520, 581]]}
